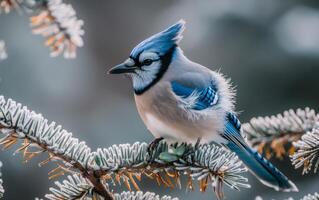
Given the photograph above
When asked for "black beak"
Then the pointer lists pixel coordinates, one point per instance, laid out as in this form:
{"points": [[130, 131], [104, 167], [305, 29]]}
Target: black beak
{"points": [[121, 69]]}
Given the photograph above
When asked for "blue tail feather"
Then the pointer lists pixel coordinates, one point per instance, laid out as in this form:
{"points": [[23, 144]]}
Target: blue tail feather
{"points": [[263, 169], [267, 173]]}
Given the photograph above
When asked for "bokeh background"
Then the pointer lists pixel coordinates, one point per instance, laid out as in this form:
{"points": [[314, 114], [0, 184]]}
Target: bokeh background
{"points": [[269, 49]]}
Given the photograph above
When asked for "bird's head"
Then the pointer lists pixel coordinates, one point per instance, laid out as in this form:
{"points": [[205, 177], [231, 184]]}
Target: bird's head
{"points": [[150, 59]]}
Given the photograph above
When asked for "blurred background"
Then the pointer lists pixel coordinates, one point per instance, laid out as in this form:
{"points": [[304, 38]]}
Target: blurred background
{"points": [[270, 49]]}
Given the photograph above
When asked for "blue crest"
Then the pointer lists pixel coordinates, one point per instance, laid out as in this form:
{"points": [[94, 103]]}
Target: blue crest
{"points": [[162, 41]]}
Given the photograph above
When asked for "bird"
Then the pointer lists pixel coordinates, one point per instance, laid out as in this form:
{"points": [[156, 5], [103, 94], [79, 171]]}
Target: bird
{"points": [[181, 101]]}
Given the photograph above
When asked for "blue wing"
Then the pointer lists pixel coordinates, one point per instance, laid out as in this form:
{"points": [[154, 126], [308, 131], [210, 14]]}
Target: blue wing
{"points": [[205, 97]]}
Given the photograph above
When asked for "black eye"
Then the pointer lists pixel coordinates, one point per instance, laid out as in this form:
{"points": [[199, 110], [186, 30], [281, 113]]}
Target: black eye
{"points": [[147, 62]]}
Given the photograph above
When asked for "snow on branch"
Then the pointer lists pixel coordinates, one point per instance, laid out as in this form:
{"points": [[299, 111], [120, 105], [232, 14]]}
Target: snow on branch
{"points": [[276, 133], [125, 163], [76, 187], [1, 182], [208, 164], [38, 135], [57, 22], [142, 196], [17, 122], [314, 196], [308, 151], [54, 20]]}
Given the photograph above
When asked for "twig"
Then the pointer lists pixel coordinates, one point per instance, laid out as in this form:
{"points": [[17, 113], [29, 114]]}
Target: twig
{"points": [[314, 196], [17, 122], [76, 187], [277, 133], [308, 152], [57, 22], [208, 164], [54, 20]]}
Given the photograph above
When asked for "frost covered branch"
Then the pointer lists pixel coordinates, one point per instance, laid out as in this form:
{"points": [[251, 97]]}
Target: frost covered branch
{"points": [[76, 187], [17, 122], [308, 151], [208, 164], [1, 182], [277, 133], [314, 196], [55, 21]]}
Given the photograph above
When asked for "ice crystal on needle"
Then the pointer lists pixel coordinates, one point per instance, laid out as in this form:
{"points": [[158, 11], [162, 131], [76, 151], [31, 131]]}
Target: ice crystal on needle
{"points": [[307, 154], [17, 122], [59, 24], [77, 187], [278, 132], [125, 163], [314, 196], [207, 164]]}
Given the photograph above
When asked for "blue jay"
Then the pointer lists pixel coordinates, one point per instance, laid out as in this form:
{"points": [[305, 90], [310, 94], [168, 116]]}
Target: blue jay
{"points": [[181, 101]]}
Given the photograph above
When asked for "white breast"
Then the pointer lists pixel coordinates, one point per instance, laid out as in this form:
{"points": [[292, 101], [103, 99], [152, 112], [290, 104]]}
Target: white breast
{"points": [[160, 129]]}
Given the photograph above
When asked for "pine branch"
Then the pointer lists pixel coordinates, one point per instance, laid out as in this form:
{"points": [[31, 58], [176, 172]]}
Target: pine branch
{"points": [[57, 22], [76, 187], [276, 133], [314, 196], [209, 164], [3, 51], [141, 196], [1, 182], [308, 152], [17, 122]]}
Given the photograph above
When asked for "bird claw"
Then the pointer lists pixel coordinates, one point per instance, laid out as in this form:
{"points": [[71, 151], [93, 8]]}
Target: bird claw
{"points": [[153, 145]]}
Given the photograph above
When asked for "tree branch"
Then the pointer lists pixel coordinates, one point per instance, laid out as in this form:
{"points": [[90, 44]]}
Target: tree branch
{"points": [[277, 133], [209, 164], [55, 21], [17, 122], [308, 151], [76, 187], [314, 196]]}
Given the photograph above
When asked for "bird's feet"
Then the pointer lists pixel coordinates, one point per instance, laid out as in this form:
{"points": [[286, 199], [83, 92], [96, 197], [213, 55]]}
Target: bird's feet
{"points": [[153, 145]]}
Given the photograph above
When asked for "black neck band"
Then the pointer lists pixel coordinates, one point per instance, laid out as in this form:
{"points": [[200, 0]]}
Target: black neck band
{"points": [[166, 60]]}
